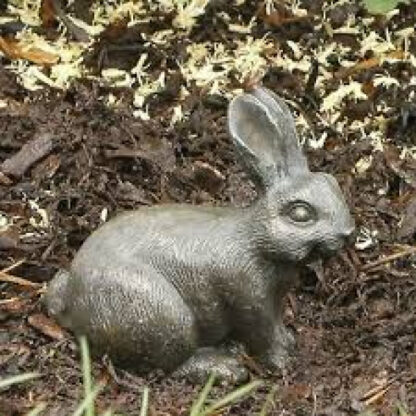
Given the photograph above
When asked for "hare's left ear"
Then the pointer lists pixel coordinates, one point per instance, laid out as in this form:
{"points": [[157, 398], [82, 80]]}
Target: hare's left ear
{"points": [[264, 133]]}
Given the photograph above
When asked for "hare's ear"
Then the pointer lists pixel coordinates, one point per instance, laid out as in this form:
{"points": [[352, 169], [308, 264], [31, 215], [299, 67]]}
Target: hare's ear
{"points": [[264, 133]]}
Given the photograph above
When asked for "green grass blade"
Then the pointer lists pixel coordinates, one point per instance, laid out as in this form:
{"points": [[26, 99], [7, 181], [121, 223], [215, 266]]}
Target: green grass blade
{"points": [[88, 400], [401, 410], [232, 397], [37, 410], [21, 378], [196, 409], [86, 374], [268, 401], [382, 6], [145, 402]]}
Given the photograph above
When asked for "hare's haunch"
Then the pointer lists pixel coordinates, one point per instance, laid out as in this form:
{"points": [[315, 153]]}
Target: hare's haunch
{"points": [[169, 286]]}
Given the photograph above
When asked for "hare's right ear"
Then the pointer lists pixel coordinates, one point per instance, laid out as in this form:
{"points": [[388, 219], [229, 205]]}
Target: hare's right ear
{"points": [[264, 134]]}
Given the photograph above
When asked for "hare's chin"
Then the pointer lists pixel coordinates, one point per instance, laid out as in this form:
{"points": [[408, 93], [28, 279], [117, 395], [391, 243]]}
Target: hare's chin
{"points": [[323, 251]]}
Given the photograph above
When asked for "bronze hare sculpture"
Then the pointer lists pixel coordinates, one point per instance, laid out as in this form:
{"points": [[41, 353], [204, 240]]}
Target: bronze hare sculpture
{"points": [[168, 286]]}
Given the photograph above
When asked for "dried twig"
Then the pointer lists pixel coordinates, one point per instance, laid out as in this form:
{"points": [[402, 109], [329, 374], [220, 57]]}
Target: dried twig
{"points": [[7, 301], [376, 396], [370, 393], [377, 392], [8, 278], [372, 265], [13, 266]]}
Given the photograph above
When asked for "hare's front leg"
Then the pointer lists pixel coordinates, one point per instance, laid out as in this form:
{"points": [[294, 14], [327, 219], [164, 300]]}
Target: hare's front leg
{"points": [[276, 355], [282, 335], [262, 330], [271, 343], [281, 340]]}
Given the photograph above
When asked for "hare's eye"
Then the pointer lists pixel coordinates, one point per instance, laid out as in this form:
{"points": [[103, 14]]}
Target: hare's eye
{"points": [[301, 212]]}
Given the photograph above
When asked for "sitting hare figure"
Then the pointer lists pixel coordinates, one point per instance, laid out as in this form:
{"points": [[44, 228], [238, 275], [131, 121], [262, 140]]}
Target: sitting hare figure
{"points": [[168, 286]]}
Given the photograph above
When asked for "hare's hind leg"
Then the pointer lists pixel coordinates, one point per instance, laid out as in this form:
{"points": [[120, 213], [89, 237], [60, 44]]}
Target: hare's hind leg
{"points": [[160, 328], [131, 313], [56, 294]]}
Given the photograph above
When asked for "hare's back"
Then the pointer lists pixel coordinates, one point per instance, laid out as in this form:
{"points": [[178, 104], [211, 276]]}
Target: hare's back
{"points": [[145, 232]]}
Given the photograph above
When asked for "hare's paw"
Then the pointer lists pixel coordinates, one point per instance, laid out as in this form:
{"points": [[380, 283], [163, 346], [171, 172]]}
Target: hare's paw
{"points": [[209, 360], [278, 355], [276, 358]]}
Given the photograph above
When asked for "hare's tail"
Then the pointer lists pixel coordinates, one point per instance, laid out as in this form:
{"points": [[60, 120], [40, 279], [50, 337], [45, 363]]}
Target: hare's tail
{"points": [[56, 294]]}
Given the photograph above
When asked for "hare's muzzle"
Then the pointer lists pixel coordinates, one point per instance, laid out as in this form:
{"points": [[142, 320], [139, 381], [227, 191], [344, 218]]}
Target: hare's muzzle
{"points": [[347, 233], [332, 245], [349, 236]]}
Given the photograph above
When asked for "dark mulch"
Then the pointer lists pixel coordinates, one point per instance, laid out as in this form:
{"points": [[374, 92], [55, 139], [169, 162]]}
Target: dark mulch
{"points": [[355, 327]]}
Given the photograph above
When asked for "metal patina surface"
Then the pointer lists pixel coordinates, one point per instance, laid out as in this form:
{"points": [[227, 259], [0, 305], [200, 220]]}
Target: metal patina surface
{"points": [[169, 286]]}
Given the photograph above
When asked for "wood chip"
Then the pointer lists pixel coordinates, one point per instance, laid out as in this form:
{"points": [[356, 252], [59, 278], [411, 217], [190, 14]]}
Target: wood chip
{"points": [[408, 223], [280, 16], [47, 326], [47, 168], [47, 13], [208, 177], [29, 154], [13, 305], [9, 239], [77, 32], [4, 180]]}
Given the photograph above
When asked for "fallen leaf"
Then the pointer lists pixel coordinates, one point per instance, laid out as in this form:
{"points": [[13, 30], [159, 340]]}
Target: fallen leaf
{"points": [[368, 64], [13, 49], [47, 326]]}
